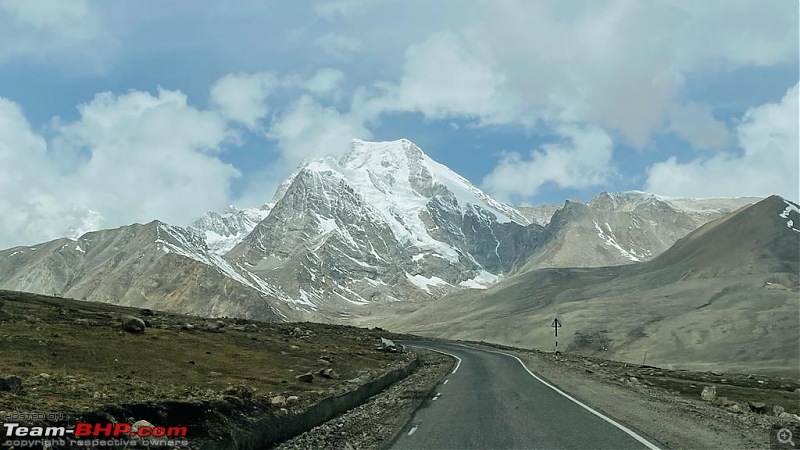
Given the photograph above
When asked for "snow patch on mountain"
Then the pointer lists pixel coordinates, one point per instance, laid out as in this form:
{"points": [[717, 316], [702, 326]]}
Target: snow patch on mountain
{"points": [[788, 210], [611, 241], [222, 231], [482, 280], [426, 283]]}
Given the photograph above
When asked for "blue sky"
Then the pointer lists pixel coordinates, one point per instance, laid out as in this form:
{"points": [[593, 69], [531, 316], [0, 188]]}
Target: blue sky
{"points": [[120, 112]]}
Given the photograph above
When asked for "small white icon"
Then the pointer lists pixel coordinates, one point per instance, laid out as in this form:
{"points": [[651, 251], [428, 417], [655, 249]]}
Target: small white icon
{"points": [[785, 436]]}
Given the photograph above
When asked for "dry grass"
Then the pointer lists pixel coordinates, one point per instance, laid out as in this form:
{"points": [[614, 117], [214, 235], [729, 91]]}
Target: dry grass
{"points": [[90, 362]]}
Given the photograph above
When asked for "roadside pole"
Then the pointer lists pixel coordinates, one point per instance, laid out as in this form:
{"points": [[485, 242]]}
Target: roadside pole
{"points": [[556, 325]]}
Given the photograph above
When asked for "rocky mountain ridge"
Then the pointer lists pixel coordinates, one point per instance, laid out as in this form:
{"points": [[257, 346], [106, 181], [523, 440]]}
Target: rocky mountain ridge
{"points": [[382, 225]]}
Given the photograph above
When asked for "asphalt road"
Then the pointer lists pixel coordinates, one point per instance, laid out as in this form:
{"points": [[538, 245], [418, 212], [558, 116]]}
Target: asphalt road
{"points": [[490, 401]]}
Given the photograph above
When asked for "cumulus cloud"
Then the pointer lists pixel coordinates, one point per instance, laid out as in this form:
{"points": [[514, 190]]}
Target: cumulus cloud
{"points": [[767, 163], [326, 82], [695, 123], [68, 31], [309, 129], [136, 157], [242, 97], [583, 158], [443, 77]]}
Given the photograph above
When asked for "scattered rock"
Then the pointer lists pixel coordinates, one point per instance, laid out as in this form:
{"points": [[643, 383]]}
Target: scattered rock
{"points": [[388, 346], [722, 401], [324, 362], [757, 407], [251, 328], [187, 327], [306, 377], [716, 374], [328, 373], [278, 400], [294, 347], [133, 324], [777, 410], [734, 408], [292, 399], [709, 393], [44, 376], [790, 416], [11, 383]]}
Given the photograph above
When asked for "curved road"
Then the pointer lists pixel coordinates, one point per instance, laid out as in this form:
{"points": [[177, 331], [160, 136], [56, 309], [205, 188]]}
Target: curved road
{"points": [[491, 401]]}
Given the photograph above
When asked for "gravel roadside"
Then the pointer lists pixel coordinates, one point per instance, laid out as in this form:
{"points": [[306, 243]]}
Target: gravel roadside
{"points": [[671, 420], [377, 422]]}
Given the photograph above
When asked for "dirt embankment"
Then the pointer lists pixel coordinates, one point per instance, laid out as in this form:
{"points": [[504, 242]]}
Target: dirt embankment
{"points": [[96, 362]]}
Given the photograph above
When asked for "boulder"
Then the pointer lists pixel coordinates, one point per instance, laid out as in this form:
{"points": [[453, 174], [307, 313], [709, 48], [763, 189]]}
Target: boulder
{"points": [[278, 400], [709, 393], [757, 407], [388, 345], [133, 324], [734, 408], [292, 399], [305, 378], [790, 416], [328, 373], [777, 410], [11, 383]]}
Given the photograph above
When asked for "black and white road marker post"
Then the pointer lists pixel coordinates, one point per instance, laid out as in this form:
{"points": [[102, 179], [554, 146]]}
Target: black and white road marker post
{"points": [[556, 325]]}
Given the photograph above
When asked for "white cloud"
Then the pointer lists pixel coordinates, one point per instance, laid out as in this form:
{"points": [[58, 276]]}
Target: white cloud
{"points": [[768, 163], [326, 82], [621, 65], [308, 129], [583, 159], [695, 123], [136, 157], [68, 31], [445, 77], [242, 97]]}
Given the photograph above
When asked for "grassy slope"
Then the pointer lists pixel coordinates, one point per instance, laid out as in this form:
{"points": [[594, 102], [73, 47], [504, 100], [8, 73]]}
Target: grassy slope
{"points": [[90, 363]]}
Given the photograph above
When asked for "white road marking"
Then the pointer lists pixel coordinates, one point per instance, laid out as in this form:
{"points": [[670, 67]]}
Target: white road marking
{"points": [[436, 397], [411, 431], [625, 429], [445, 382], [458, 360]]}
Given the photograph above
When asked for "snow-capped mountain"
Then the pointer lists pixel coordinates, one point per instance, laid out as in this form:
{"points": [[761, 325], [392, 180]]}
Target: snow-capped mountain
{"points": [[624, 228], [154, 266], [222, 231], [383, 223]]}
